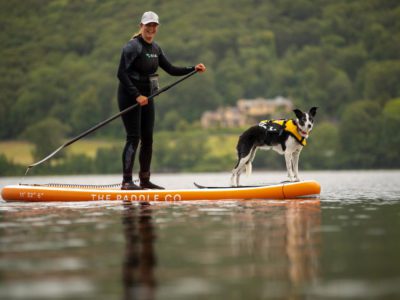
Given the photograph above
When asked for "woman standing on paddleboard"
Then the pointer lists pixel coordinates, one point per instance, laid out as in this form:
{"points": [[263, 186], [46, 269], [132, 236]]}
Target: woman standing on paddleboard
{"points": [[140, 59]]}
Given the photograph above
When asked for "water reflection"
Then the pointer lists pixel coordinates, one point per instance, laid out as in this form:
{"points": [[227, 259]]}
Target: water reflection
{"points": [[284, 240], [240, 249], [303, 241], [139, 259]]}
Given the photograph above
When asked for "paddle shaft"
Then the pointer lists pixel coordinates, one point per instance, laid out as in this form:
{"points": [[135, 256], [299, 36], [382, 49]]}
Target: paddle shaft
{"points": [[101, 124]]}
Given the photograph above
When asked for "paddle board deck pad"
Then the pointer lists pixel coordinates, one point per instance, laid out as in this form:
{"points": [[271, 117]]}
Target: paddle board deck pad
{"points": [[71, 193], [199, 186]]}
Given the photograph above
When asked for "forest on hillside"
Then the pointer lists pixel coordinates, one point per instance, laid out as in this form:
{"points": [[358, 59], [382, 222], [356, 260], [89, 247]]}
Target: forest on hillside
{"points": [[59, 58]]}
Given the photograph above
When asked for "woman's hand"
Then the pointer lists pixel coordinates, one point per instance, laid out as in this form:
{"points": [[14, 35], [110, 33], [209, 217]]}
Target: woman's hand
{"points": [[142, 100], [200, 68]]}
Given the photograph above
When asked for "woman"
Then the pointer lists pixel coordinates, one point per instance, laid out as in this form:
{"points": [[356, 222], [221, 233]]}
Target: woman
{"points": [[140, 59]]}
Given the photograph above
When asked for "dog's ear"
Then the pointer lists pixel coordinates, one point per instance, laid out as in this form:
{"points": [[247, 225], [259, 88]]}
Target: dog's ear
{"points": [[313, 111], [298, 113]]}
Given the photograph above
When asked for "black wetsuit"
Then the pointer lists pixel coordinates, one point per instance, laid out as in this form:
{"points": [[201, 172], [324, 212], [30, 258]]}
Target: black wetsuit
{"points": [[140, 59]]}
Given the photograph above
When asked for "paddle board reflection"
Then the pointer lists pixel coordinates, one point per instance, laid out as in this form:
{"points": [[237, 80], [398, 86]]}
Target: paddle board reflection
{"points": [[139, 259]]}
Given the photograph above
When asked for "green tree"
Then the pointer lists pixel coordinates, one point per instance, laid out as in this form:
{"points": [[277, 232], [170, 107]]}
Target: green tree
{"points": [[381, 80], [8, 168], [321, 151], [171, 120], [351, 59], [47, 135], [330, 55], [76, 164], [86, 111], [37, 98], [359, 135], [184, 152], [390, 137], [108, 161]]}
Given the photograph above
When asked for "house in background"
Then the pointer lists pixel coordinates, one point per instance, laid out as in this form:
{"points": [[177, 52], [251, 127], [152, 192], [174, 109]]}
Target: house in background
{"points": [[247, 112]]}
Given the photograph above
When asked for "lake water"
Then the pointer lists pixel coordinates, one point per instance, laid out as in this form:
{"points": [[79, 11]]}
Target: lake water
{"points": [[344, 246]]}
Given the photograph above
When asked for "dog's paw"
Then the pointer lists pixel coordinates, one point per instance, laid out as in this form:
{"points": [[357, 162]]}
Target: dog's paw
{"points": [[293, 179]]}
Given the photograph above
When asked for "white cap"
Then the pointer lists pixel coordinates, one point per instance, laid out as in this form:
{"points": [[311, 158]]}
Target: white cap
{"points": [[149, 17]]}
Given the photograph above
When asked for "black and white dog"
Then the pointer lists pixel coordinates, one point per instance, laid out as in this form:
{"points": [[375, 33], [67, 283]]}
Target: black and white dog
{"points": [[287, 137]]}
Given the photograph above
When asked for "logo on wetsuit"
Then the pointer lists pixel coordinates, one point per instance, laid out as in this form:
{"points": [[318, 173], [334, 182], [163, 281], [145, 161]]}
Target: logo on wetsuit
{"points": [[151, 55]]}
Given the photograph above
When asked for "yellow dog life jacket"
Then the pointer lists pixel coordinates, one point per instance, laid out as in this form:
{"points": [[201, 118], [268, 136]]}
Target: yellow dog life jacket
{"points": [[290, 127]]}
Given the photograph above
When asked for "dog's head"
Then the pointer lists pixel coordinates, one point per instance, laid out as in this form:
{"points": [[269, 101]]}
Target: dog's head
{"points": [[305, 121]]}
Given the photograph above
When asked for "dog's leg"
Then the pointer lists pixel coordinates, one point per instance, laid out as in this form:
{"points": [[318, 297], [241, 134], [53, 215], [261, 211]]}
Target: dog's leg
{"points": [[244, 150], [289, 165], [238, 177], [296, 156], [239, 168], [233, 177], [235, 173], [249, 165], [236, 170]]}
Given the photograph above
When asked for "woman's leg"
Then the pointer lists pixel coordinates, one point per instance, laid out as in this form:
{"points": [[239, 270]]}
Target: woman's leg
{"points": [[131, 121], [146, 146], [128, 157], [146, 136]]}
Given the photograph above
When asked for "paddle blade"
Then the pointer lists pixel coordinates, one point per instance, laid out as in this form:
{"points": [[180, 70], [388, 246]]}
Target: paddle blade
{"points": [[44, 159]]}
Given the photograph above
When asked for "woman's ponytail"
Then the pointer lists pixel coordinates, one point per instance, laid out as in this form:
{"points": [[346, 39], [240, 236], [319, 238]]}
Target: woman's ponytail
{"points": [[136, 34]]}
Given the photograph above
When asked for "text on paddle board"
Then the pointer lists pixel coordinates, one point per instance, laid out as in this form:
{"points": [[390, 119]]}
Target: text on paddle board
{"points": [[138, 197]]}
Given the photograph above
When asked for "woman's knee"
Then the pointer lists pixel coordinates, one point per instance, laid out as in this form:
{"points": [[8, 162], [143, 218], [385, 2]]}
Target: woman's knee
{"points": [[132, 139], [147, 141]]}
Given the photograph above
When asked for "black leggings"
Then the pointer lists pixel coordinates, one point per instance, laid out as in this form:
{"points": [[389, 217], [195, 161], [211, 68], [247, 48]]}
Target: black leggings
{"points": [[139, 126]]}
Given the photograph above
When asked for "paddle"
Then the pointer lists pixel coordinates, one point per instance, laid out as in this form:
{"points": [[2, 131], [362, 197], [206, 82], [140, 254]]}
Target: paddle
{"points": [[101, 124]]}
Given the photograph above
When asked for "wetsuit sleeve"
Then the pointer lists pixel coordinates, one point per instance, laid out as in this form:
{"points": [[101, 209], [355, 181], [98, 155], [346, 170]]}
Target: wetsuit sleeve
{"points": [[169, 68], [129, 53]]}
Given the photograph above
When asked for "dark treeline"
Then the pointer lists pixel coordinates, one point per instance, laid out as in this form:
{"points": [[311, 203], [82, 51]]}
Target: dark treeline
{"points": [[59, 58]]}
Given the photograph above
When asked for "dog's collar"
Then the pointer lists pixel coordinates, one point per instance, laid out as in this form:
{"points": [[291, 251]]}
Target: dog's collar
{"points": [[302, 132]]}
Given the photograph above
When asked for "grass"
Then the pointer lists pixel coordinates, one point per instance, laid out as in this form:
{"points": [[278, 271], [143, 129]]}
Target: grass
{"points": [[20, 151], [17, 151], [90, 147], [218, 145], [222, 145]]}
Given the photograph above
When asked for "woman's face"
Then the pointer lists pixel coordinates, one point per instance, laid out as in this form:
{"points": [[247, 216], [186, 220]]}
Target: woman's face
{"points": [[149, 31]]}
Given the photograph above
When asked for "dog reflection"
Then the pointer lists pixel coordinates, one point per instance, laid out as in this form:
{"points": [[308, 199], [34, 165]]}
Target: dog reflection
{"points": [[284, 236], [138, 266], [302, 243]]}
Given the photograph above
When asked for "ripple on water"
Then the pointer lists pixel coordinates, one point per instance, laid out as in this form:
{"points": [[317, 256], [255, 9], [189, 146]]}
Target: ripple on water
{"points": [[188, 287], [46, 245], [43, 265], [356, 289], [215, 211], [54, 288], [327, 228]]}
